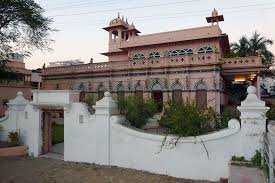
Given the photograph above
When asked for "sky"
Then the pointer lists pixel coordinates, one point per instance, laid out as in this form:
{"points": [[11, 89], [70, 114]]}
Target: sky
{"points": [[80, 22]]}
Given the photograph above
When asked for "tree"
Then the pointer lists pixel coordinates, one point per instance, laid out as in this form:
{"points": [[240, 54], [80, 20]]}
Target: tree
{"points": [[256, 45], [241, 48], [23, 27]]}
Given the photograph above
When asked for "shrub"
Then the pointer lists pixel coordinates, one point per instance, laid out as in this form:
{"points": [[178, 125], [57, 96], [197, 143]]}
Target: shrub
{"points": [[14, 138], [229, 113], [184, 119], [136, 110], [238, 158], [271, 113], [257, 158]]}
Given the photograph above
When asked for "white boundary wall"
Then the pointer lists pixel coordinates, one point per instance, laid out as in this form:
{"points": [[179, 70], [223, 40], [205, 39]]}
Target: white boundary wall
{"points": [[101, 138]]}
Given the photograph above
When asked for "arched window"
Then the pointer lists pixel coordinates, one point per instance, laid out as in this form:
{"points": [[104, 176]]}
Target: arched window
{"points": [[184, 51], [114, 35], [206, 49], [201, 95], [154, 55], [138, 56]]}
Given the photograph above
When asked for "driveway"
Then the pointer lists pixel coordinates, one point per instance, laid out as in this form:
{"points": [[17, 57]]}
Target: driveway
{"points": [[42, 170]]}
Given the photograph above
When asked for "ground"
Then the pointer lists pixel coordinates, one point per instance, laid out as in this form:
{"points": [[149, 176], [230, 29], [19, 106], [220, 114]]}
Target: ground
{"points": [[42, 170]]}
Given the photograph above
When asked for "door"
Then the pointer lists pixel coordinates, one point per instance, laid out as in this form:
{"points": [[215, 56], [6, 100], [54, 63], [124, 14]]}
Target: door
{"points": [[46, 132], [201, 99], [158, 98]]}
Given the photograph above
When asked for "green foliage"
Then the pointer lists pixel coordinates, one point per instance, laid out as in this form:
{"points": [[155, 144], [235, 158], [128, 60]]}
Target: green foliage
{"points": [[229, 113], [257, 159], [14, 138], [136, 110], [23, 27], [89, 99], [255, 45], [58, 133], [184, 119], [238, 158], [271, 113]]}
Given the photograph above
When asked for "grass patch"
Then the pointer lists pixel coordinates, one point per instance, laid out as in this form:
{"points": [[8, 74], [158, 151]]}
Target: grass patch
{"points": [[58, 133]]}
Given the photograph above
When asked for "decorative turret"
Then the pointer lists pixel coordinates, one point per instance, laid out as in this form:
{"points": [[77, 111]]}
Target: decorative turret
{"points": [[215, 17], [120, 30]]}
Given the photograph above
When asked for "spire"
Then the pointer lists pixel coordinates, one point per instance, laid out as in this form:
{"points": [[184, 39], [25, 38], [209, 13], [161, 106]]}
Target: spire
{"points": [[118, 16], [215, 13], [127, 21], [215, 17]]}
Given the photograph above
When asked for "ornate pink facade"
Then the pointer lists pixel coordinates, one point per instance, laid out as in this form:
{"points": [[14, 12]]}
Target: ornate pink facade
{"points": [[188, 65]]}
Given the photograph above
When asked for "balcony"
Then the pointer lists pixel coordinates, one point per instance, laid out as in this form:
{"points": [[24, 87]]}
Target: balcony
{"points": [[175, 61], [242, 62]]}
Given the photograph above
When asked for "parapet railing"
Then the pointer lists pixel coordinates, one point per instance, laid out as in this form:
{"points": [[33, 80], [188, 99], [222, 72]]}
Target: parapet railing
{"points": [[241, 62], [173, 61]]}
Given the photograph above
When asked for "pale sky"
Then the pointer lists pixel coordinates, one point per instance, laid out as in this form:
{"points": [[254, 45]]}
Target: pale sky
{"points": [[80, 22]]}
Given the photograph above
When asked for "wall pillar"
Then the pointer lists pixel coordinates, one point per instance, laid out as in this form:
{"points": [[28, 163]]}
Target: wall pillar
{"points": [[105, 108], [253, 123]]}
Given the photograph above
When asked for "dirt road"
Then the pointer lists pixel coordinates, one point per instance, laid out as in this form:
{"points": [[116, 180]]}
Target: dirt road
{"points": [[42, 170]]}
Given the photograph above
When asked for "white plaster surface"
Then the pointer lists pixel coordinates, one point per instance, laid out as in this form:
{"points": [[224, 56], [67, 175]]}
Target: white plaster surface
{"points": [[102, 139]]}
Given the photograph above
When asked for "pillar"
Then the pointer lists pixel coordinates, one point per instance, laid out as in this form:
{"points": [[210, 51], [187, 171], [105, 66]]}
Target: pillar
{"points": [[105, 108], [258, 87], [253, 123]]}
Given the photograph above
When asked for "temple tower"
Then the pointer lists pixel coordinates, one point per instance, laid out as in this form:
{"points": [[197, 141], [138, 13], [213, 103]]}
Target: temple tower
{"points": [[120, 30]]}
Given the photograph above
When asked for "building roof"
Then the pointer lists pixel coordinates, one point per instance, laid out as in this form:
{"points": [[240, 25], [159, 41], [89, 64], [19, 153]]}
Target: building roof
{"points": [[174, 36]]}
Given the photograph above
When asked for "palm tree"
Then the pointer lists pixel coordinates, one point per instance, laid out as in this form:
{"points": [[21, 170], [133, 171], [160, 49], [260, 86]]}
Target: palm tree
{"points": [[241, 48], [256, 45]]}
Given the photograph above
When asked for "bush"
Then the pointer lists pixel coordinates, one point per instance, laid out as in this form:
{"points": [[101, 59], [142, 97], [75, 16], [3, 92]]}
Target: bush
{"points": [[136, 110], [14, 138], [271, 113], [184, 119], [257, 158], [229, 113], [238, 158]]}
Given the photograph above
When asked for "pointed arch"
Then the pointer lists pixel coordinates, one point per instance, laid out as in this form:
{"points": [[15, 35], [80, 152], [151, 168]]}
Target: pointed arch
{"points": [[200, 85], [177, 88], [156, 85], [201, 94], [177, 85]]}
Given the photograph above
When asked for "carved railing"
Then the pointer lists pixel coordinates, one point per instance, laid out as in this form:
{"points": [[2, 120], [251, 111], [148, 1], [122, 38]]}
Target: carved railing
{"points": [[175, 61], [241, 62]]}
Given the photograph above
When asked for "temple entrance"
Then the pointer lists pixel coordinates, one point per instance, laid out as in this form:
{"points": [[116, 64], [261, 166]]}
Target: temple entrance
{"points": [[53, 131], [157, 96]]}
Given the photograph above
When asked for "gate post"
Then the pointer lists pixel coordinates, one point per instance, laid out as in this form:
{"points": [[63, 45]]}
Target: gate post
{"points": [[105, 108], [253, 123]]}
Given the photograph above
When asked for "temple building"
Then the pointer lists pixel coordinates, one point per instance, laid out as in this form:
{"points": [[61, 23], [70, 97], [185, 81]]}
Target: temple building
{"points": [[182, 65]]}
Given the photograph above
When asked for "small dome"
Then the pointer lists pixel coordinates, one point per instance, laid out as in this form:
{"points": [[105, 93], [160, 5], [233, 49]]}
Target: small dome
{"points": [[115, 21], [215, 13]]}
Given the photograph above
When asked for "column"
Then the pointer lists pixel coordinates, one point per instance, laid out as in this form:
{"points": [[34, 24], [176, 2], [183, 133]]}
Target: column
{"points": [[253, 123], [105, 108]]}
